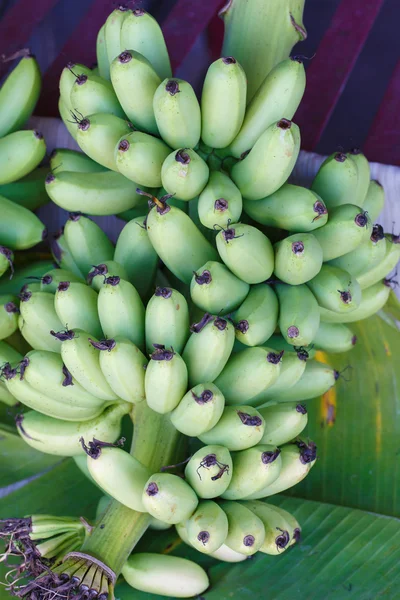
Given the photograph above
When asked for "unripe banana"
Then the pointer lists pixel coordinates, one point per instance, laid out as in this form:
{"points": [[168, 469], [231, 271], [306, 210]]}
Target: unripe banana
{"points": [[22, 275], [135, 82], [63, 256], [91, 94], [336, 290], [283, 423], [216, 290], [167, 320], [246, 531], [112, 31], [298, 258], [177, 241], [207, 528], [19, 94], [199, 410], [299, 314], [76, 306], [385, 266], [316, 380], [67, 79], [123, 365], [141, 32], [110, 268], [220, 202], [87, 242], [209, 471], [54, 436], [6, 260], [8, 354], [165, 575], [268, 165], [134, 241], [165, 381], [208, 348], [253, 469], [177, 113], [291, 207], [29, 191], [9, 313], [169, 498], [140, 156], [82, 360], [63, 159], [278, 97], [19, 227], [347, 228], [240, 427], [276, 527], [366, 256], [373, 299], [98, 135], [334, 337], [297, 460], [118, 473], [337, 181], [67, 118], [158, 525], [256, 319], [51, 280], [121, 311], [294, 528], [226, 554], [223, 102], [38, 318], [292, 368], [374, 200], [20, 153], [105, 193], [364, 174], [184, 174], [103, 64]]}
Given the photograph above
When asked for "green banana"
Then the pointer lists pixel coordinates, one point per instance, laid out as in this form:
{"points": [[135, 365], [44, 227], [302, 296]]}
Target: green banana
{"points": [[9, 312], [21, 275], [112, 31], [63, 159], [121, 310], [81, 357], [140, 156], [169, 498], [246, 531], [223, 102], [6, 260], [135, 83], [337, 181], [158, 525], [270, 162], [67, 79], [38, 318], [88, 244], [335, 289], [134, 241], [141, 32], [253, 469], [291, 207], [208, 348], [299, 314], [54, 436], [374, 200], [19, 227], [294, 528], [334, 337], [19, 94], [165, 381], [167, 320], [364, 175], [118, 473], [298, 258], [103, 64], [209, 471], [366, 256], [184, 174], [165, 575], [247, 373], [98, 135], [199, 410], [20, 153], [239, 428], [177, 241], [276, 527], [177, 113], [62, 255], [257, 317], [123, 365], [283, 423], [104, 193], [207, 528], [278, 97], [76, 306], [373, 299], [67, 118], [220, 202], [216, 290], [91, 94], [8, 354], [110, 268], [385, 266], [225, 554], [29, 191], [292, 368], [297, 460], [347, 228]]}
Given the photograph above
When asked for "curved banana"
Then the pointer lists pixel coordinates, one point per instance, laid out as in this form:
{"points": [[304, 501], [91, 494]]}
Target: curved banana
{"points": [[294, 528], [98, 135], [167, 320], [364, 175], [366, 256], [67, 79], [67, 117], [283, 423], [38, 318], [199, 410], [209, 471], [217, 290], [76, 306], [335, 289], [220, 202], [169, 498], [184, 174], [334, 337], [373, 299], [246, 531], [165, 381], [19, 227], [298, 258], [140, 156], [207, 528], [337, 181], [257, 317], [87, 242], [110, 268], [385, 266], [374, 200], [62, 255], [29, 191], [299, 313], [63, 159], [112, 31], [103, 64], [91, 94], [292, 368], [276, 527], [239, 428], [20, 153], [9, 313]]}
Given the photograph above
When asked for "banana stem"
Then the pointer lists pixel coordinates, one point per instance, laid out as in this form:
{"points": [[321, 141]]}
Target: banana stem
{"points": [[155, 442]]}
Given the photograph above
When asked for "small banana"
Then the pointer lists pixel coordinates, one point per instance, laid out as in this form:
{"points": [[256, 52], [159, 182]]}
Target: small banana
{"points": [[239, 428], [76, 305], [91, 94], [167, 320], [246, 531], [63, 256], [51, 280], [298, 258], [226, 554], [184, 174], [294, 528], [335, 289], [276, 527], [283, 423], [103, 64], [207, 528], [110, 268], [334, 337], [292, 368], [9, 312], [98, 135], [38, 317], [337, 181], [385, 266], [209, 471], [112, 31], [366, 256], [8, 354], [19, 227], [165, 380], [257, 317], [364, 175], [87, 242], [217, 290], [29, 191], [220, 202], [67, 79], [299, 314], [63, 159], [374, 200], [373, 299], [169, 498], [199, 410], [140, 156], [20, 153]]}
